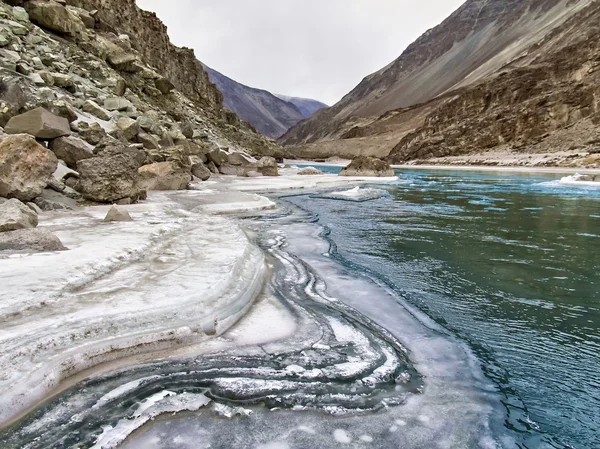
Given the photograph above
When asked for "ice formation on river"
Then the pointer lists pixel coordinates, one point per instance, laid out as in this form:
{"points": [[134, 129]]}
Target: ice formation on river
{"points": [[320, 339]]}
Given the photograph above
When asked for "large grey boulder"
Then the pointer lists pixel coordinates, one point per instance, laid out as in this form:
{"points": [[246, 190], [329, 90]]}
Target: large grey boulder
{"points": [[117, 104], [54, 16], [199, 170], [368, 166], [240, 159], [129, 127], [71, 150], [164, 176], [218, 156], [108, 179], [26, 167], [267, 166], [40, 123], [30, 240], [16, 215]]}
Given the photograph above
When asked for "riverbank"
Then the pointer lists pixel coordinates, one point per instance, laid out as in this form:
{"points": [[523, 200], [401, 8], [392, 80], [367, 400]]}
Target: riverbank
{"points": [[180, 274]]}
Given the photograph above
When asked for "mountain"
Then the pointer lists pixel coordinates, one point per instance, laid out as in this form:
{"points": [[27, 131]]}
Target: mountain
{"points": [[489, 57], [305, 105], [269, 114]]}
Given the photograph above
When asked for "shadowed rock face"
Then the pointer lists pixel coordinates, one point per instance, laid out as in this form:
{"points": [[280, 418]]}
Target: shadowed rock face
{"points": [[473, 44], [271, 115]]}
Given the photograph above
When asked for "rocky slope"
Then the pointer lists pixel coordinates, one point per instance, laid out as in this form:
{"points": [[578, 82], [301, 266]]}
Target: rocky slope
{"points": [[98, 83], [272, 115], [482, 41]]}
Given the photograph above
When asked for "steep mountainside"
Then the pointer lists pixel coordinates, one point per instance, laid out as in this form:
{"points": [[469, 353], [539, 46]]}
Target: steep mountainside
{"points": [[270, 114], [474, 43], [306, 106], [95, 48]]}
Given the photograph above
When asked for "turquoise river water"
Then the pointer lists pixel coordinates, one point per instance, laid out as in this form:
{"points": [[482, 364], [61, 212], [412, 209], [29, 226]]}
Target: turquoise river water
{"points": [[510, 264]]}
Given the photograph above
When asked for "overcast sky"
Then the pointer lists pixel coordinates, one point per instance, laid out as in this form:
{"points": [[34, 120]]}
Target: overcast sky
{"points": [[317, 49]]}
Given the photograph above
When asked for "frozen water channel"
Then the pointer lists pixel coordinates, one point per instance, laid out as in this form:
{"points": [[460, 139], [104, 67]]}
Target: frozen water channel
{"points": [[322, 356]]}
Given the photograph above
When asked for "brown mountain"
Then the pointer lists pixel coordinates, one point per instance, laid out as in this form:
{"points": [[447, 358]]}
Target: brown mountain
{"points": [[511, 73]]}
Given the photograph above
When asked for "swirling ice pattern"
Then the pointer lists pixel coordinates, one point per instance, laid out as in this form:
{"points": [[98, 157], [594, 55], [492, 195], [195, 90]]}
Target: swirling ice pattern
{"points": [[338, 361]]}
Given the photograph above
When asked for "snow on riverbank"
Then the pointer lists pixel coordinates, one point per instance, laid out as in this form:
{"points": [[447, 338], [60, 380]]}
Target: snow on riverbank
{"points": [[179, 274], [174, 276]]}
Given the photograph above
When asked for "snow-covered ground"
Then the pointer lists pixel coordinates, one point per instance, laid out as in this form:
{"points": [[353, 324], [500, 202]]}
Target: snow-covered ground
{"points": [[177, 275]]}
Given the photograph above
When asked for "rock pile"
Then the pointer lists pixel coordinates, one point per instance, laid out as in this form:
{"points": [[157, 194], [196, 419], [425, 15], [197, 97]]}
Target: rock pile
{"points": [[368, 166], [103, 103]]}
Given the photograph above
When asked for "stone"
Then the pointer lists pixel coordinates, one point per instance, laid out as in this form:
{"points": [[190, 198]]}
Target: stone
{"points": [[37, 79], [71, 150], [239, 159], [254, 174], [187, 129], [233, 170], [47, 77], [368, 166], [63, 109], [199, 170], [16, 215], [212, 167], [267, 166], [92, 133], [40, 123], [13, 99], [116, 214], [30, 240], [164, 85], [26, 167], [91, 107], [120, 87], [64, 81], [51, 200], [148, 141], [124, 62], [110, 147], [117, 104], [9, 59], [5, 37], [54, 17], [310, 171], [88, 20], [107, 179], [20, 14], [63, 172], [129, 127], [164, 176]]}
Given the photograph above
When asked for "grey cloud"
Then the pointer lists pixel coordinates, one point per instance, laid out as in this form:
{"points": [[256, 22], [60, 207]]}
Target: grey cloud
{"points": [[312, 48]]}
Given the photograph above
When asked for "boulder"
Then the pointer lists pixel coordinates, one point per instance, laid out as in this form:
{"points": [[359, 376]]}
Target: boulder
{"points": [[117, 104], [217, 156], [310, 171], [124, 62], [368, 166], [120, 87], [30, 240], [129, 127], [240, 159], [108, 179], [164, 85], [94, 108], [254, 174], [164, 176], [233, 170], [26, 167], [71, 150], [148, 141], [199, 170], [16, 215], [40, 123], [54, 16], [92, 133], [13, 99], [267, 166], [187, 129], [212, 167], [117, 214], [51, 200]]}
